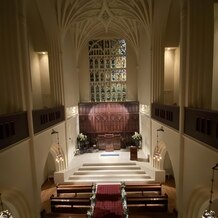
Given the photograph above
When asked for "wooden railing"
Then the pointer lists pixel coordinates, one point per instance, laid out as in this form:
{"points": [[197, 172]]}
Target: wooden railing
{"points": [[202, 125], [13, 128], [167, 114], [45, 118]]}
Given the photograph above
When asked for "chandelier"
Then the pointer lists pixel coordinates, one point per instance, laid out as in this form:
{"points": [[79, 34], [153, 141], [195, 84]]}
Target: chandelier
{"points": [[4, 213], [209, 213], [157, 153], [59, 158]]}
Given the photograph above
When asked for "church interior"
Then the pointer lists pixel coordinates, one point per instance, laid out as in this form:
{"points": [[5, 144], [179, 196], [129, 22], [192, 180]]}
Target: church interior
{"points": [[109, 104]]}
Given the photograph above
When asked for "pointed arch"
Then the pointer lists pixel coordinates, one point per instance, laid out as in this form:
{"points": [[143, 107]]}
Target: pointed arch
{"points": [[54, 151], [15, 202], [198, 201]]}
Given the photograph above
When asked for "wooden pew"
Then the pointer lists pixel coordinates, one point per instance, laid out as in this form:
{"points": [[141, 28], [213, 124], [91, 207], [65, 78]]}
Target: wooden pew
{"points": [[148, 188], [69, 205], [73, 189], [157, 203]]}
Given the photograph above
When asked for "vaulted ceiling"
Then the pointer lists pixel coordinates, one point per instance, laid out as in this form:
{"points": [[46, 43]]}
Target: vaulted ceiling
{"points": [[92, 18]]}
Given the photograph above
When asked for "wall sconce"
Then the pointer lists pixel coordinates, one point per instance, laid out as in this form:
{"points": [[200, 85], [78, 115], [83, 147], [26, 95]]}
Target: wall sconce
{"points": [[209, 213], [4, 213], [157, 153], [59, 158]]}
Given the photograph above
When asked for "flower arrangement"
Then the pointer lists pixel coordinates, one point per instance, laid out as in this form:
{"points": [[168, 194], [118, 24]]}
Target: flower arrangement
{"points": [[137, 136], [81, 137]]}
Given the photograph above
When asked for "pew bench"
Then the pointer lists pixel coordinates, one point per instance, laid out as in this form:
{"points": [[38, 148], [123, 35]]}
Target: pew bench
{"points": [[149, 189], [157, 203], [73, 189], [69, 205]]}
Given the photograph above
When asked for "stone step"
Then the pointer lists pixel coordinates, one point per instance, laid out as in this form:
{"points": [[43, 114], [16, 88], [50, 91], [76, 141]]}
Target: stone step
{"points": [[109, 172], [110, 167], [114, 171], [109, 180], [111, 164], [110, 176]]}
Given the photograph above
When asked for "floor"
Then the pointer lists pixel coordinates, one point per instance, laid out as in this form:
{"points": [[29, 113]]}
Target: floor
{"points": [[49, 187]]}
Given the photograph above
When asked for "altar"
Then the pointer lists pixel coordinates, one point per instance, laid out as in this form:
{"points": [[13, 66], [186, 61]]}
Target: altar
{"points": [[109, 142]]}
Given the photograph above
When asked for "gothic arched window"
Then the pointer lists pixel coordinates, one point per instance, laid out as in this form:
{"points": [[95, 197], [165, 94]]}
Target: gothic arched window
{"points": [[107, 67]]}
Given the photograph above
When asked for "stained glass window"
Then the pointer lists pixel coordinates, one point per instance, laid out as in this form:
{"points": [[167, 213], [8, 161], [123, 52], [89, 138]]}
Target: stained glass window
{"points": [[107, 68]]}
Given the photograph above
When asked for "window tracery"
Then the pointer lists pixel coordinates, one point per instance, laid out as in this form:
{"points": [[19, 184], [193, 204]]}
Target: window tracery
{"points": [[107, 68]]}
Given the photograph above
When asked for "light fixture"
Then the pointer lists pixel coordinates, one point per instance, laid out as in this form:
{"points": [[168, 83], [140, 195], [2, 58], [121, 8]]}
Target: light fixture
{"points": [[157, 153], [209, 213], [59, 158], [4, 213]]}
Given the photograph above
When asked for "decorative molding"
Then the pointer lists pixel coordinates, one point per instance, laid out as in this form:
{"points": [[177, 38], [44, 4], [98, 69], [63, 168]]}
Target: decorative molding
{"points": [[71, 111], [105, 15], [145, 109]]}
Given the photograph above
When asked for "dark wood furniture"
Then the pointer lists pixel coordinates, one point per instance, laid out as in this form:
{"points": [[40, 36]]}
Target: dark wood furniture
{"points": [[73, 189], [109, 118], [133, 153], [157, 203], [109, 140], [145, 189]]}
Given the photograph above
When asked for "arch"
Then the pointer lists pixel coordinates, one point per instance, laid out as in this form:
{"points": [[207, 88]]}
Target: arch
{"points": [[199, 200], [54, 151], [15, 202]]}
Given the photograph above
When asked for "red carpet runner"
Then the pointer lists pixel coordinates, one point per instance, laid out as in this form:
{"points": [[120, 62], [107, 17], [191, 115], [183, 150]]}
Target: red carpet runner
{"points": [[108, 201]]}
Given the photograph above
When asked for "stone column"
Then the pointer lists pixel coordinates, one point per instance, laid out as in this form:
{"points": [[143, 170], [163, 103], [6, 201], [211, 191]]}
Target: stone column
{"points": [[200, 53], [10, 66]]}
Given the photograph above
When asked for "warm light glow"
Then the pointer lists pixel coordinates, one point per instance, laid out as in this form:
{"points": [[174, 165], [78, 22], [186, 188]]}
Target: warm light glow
{"points": [[42, 52], [170, 48]]}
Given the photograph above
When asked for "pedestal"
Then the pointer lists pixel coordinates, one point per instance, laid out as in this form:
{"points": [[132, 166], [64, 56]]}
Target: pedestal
{"points": [[133, 153]]}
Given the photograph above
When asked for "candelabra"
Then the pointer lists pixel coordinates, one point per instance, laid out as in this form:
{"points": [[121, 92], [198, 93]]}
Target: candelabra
{"points": [[59, 158], [157, 153]]}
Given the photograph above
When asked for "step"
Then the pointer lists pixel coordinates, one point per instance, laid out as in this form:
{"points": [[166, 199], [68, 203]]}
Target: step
{"points": [[121, 176], [110, 164], [114, 171], [111, 180], [111, 167]]}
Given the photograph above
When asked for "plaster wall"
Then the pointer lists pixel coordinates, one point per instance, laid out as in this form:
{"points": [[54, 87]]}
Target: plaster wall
{"points": [[171, 139], [146, 135], [16, 174], [198, 161], [72, 133], [42, 144]]}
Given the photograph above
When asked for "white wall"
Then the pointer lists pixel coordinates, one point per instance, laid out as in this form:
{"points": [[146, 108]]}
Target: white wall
{"points": [[198, 161], [16, 174], [42, 144]]}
